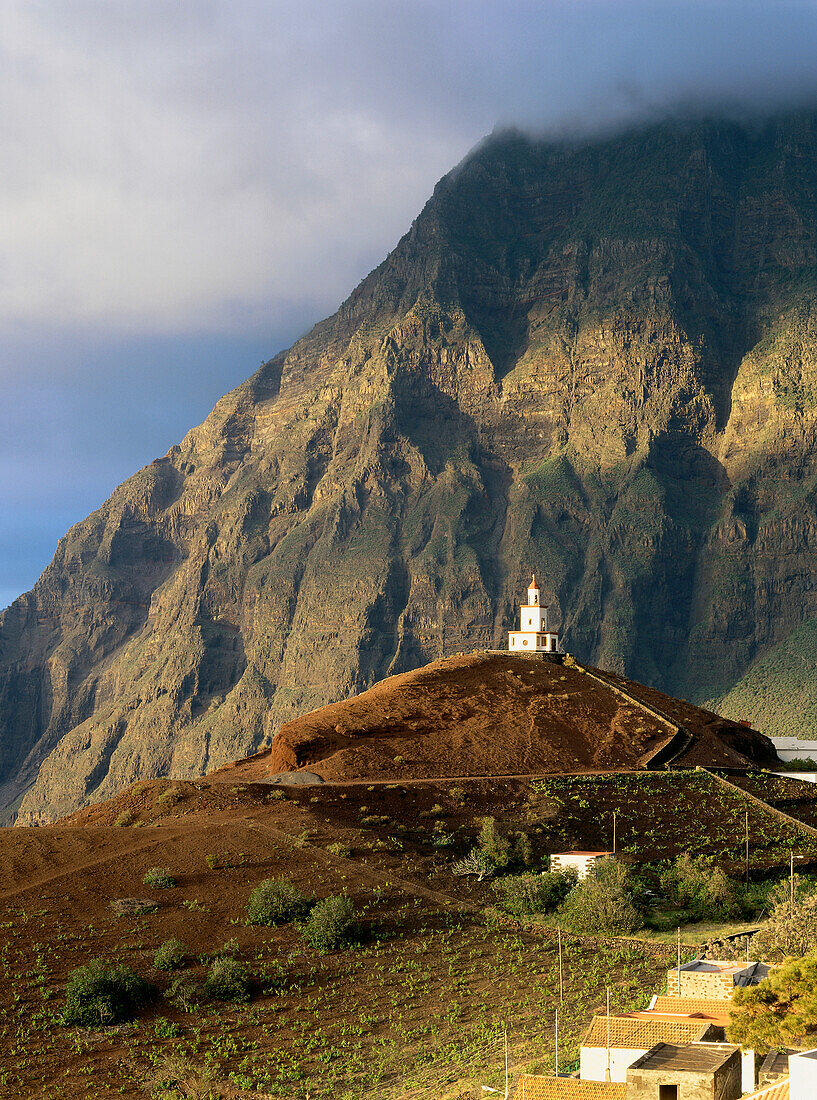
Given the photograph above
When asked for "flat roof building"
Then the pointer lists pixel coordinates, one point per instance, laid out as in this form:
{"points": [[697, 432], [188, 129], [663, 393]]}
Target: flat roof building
{"points": [[696, 1071], [713, 978]]}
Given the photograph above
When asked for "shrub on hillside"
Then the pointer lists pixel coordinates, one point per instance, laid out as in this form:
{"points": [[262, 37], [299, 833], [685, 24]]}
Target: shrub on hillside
{"points": [[330, 923], [228, 980], [602, 902], [696, 884], [159, 878], [170, 955], [525, 894], [276, 901], [185, 992], [792, 925], [98, 995], [495, 852]]}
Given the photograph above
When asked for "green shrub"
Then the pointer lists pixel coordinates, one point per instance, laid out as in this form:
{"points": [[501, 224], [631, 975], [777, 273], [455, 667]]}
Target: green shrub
{"points": [[98, 995], [330, 923], [698, 885], [523, 894], [338, 848], [170, 955], [276, 901], [185, 992], [228, 980], [602, 902], [159, 878]]}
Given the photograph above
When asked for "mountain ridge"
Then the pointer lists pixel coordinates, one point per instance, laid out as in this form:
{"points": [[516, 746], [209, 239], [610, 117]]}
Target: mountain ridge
{"points": [[596, 359]]}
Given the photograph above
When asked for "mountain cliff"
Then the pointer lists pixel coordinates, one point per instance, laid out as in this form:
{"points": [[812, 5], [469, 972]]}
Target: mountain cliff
{"points": [[594, 359]]}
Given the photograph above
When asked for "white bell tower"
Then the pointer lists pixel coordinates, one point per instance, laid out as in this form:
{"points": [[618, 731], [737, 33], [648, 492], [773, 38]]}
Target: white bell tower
{"points": [[533, 635]]}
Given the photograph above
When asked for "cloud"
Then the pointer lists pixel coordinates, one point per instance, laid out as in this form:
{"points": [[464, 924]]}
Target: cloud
{"points": [[185, 166], [184, 187]]}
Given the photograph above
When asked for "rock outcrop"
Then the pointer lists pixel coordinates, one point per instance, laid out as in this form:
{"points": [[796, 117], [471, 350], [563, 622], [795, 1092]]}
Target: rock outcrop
{"points": [[596, 360]]}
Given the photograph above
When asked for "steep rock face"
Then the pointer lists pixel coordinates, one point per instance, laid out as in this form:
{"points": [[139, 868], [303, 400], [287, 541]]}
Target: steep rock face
{"points": [[596, 360]]}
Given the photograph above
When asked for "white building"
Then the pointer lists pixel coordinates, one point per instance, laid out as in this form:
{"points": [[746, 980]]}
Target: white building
{"points": [[803, 1075], [580, 862], [533, 635], [611, 1046]]}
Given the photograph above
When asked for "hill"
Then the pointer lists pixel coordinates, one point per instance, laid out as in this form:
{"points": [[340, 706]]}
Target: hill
{"points": [[415, 1004], [595, 359], [492, 714]]}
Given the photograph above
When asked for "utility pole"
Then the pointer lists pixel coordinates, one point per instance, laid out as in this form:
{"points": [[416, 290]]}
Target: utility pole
{"points": [[614, 832], [557, 1042], [561, 982], [791, 878], [678, 938], [607, 1074], [747, 848], [506, 1063]]}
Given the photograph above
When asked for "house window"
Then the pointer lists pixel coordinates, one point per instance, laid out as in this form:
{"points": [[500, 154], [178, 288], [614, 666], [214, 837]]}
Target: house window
{"points": [[524, 641], [667, 1092], [530, 622]]}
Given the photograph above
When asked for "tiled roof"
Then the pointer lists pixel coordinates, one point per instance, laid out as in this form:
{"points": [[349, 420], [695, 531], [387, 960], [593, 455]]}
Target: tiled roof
{"points": [[567, 1088], [714, 1007], [639, 1034], [778, 1091]]}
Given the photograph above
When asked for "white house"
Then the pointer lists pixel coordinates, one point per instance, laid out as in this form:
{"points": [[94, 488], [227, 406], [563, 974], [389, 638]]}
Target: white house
{"points": [[580, 862], [803, 1075], [611, 1046], [533, 635]]}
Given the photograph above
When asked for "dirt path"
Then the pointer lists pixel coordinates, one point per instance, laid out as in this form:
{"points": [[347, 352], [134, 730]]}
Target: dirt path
{"points": [[164, 834]]}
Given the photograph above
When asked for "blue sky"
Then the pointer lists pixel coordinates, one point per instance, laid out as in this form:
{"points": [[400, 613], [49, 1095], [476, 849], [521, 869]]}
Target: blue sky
{"points": [[186, 186]]}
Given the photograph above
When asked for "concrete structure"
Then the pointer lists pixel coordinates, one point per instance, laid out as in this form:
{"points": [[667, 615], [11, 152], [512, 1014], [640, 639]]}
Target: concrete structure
{"points": [[713, 978], [581, 862], [793, 748], [774, 1067], [630, 1037], [804, 777], [697, 1071], [530, 1087], [533, 635], [803, 1075]]}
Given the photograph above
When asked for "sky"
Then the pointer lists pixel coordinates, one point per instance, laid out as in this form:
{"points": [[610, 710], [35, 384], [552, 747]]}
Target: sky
{"points": [[186, 186]]}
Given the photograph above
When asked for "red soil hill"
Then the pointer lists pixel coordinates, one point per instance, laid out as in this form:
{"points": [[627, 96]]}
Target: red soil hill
{"points": [[497, 714]]}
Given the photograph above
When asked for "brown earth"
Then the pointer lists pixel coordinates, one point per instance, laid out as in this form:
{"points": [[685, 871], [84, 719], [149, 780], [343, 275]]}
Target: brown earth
{"points": [[427, 972], [496, 714]]}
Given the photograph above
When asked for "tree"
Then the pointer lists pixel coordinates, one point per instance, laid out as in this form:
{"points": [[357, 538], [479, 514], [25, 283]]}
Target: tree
{"points": [[780, 1011], [523, 894], [698, 885], [602, 902], [791, 929]]}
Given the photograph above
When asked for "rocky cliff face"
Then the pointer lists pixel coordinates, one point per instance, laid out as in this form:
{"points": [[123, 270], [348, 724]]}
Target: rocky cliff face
{"points": [[594, 360]]}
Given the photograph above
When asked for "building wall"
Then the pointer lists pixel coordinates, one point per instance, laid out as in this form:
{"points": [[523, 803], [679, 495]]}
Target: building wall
{"points": [[593, 1063], [582, 864], [696, 983], [802, 1077], [723, 1084], [792, 748]]}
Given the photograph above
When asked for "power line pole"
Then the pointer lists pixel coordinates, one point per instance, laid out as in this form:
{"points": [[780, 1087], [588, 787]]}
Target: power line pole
{"points": [[561, 982], [747, 847]]}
